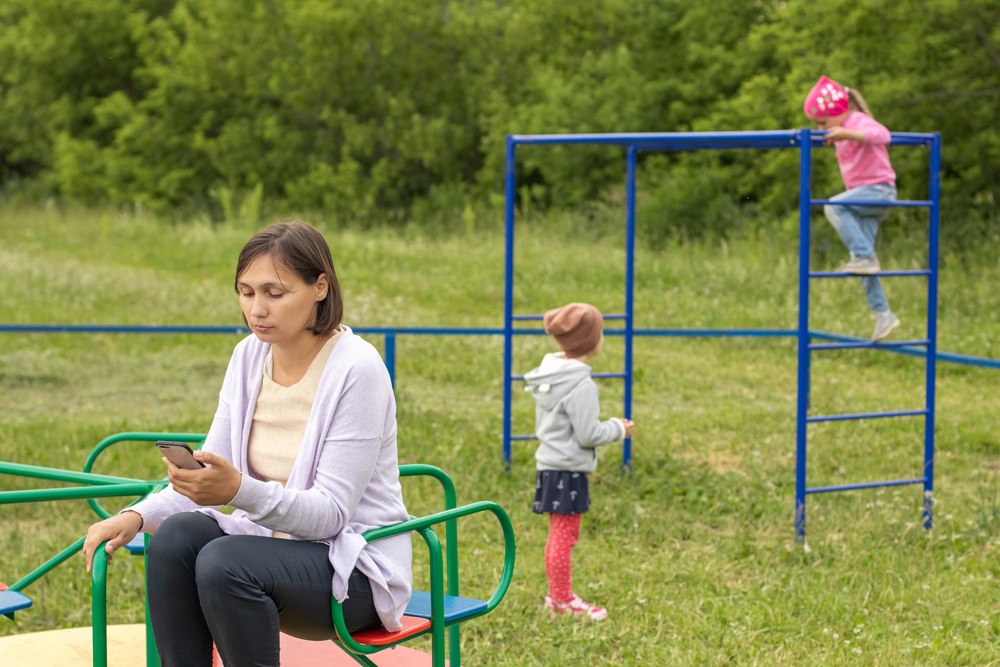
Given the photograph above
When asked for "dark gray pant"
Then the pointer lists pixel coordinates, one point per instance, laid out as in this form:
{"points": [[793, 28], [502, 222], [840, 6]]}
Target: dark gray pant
{"points": [[238, 590]]}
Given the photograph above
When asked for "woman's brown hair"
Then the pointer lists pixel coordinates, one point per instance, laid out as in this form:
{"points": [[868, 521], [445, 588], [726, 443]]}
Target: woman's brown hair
{"points": [[301, 249]]}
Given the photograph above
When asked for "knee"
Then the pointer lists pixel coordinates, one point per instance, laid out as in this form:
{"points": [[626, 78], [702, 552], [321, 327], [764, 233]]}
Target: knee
{"points": [[176, 537], [832, 213], [218, 565]]}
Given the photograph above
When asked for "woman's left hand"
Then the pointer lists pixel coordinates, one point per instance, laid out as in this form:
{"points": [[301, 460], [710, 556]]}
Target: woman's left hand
{"points": [[217, 484]]}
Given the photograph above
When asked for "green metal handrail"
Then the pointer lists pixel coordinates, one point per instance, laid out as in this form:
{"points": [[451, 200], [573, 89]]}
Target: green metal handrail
{"points": [[47, 566], [134, 436], [422, 525], [451, 544], [79, 493], [106, 486], [103, 487], [59, 475], [99, 606]]}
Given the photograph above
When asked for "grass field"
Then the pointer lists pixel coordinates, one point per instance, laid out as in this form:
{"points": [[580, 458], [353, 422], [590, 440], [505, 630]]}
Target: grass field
{"points": [[693, 553]]}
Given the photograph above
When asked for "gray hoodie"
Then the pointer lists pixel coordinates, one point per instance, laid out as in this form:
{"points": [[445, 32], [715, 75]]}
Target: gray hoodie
{"points": [[568, 415]]}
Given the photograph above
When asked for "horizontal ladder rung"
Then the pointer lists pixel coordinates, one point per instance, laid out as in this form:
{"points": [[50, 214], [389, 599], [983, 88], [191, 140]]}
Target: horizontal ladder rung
{"points": [[843, 346], [873, 202], [880, 274], [866, 485], [866, 415], [524, 437]]}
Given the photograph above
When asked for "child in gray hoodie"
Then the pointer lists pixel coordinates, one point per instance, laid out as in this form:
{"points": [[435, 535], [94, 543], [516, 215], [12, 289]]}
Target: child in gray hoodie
{"points": [[569, 429]]}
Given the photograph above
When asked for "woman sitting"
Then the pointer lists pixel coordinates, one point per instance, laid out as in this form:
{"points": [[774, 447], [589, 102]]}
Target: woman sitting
{"points": [[303, 445]]}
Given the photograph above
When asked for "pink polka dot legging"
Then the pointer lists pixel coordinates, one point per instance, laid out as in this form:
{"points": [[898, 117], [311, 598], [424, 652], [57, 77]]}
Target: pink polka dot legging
{"points": [[564, 531]]}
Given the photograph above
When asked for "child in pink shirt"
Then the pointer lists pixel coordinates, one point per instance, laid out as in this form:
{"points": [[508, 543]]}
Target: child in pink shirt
{"points": [[864, 165]]}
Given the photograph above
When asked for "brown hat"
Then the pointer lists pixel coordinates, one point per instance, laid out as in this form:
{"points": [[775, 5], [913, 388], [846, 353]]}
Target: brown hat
{"points": [[577, 327]]}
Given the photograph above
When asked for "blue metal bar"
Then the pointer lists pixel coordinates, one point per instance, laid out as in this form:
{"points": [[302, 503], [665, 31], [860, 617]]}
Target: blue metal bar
{"points": [[524, 437], [541, 317], [950, 357], [898, 138], [880, 274], [844, 346], [932, 302], [706, 333], [91, 328], [118, 328], [508, 297], [629, 294], [865, 415], [802, 402], [520, 378], [866, 485], [390, 357], [697, 140], [874, 202]]}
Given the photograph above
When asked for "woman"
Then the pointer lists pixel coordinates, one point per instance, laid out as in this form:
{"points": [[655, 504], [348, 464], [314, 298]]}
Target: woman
{"points": [[303, 445]]}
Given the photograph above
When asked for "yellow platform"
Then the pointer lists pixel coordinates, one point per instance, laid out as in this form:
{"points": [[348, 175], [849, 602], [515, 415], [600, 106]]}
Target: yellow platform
{"points": [[127, 648]]}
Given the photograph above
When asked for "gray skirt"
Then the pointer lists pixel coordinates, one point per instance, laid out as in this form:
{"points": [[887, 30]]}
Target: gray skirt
{"points": [[561, 492]]}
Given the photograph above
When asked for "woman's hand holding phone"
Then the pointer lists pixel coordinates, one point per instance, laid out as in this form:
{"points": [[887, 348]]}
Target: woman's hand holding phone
{"points": [[216, 484]]}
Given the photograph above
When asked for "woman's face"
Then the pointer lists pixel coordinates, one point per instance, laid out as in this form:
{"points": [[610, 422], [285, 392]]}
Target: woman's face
{"points": [[277, 304]]}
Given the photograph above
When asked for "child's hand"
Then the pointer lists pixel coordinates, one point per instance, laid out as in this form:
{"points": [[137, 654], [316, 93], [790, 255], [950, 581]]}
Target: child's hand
{"points": [[838, 133], [629, 425]]}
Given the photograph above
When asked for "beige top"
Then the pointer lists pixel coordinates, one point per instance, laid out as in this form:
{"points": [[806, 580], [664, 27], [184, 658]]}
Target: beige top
{"points": [[280, 417]]}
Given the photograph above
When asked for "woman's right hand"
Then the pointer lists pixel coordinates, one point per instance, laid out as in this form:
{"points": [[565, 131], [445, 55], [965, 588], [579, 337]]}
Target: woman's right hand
{"points": [[629, 425], [116, 531]]}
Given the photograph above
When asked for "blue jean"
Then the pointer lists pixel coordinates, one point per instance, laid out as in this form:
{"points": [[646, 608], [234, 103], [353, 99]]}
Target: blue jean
{"points": [[857, 227]]}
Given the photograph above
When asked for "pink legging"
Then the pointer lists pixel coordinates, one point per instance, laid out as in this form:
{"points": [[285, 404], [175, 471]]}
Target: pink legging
{"points": [[564, 531]]}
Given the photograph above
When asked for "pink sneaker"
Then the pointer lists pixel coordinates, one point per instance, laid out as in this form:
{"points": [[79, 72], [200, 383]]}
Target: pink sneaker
{"points": [[577, 607]]}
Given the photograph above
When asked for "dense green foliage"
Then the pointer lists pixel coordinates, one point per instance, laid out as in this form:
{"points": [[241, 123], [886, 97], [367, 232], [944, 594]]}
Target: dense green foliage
{"points": [[370, 108]]}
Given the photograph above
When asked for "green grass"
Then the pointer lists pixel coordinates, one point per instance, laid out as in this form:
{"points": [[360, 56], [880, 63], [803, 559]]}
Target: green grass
{"points": [[694, 553]]}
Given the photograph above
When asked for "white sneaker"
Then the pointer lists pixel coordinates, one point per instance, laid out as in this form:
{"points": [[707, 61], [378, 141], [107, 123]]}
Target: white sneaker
{"points": [[577, 607], [861, 266], [884, 325]]}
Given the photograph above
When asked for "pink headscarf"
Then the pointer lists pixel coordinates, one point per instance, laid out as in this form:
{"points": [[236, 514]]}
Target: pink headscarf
{"points": [[827, 98]]}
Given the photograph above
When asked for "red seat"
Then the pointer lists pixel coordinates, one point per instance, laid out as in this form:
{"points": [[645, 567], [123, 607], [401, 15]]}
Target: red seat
{"points": [[380, 637], [303, 653], [3, 586]]}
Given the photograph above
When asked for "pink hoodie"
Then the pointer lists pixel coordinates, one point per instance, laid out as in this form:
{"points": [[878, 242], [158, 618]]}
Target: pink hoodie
{"points": [[865, 162]]}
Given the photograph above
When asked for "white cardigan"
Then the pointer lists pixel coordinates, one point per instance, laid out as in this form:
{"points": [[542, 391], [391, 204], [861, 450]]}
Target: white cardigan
{"points": [[345, 480]]}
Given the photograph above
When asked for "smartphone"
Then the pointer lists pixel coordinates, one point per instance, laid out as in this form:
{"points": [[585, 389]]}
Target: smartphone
{"points": [[179, 454]]}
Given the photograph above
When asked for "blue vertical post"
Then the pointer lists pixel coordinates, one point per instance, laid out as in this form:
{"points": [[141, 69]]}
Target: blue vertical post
{"points": [[629, 293], [932, 297], [508, 301], [390, 357], [802, 404]]}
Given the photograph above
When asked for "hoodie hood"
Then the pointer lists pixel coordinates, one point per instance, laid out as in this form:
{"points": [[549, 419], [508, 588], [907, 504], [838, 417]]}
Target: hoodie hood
{"points": [[555, 378]]}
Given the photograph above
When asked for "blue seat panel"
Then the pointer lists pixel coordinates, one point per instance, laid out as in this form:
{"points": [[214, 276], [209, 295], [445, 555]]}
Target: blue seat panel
{"points": [[138, 544], [454, 607], [11, 601]]}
